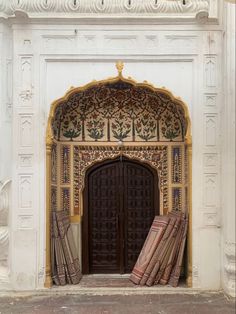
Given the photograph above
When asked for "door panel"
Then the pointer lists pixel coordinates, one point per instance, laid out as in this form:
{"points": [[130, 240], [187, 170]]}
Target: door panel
{"points": [[103, 208], [139, 209], [121, 200]]}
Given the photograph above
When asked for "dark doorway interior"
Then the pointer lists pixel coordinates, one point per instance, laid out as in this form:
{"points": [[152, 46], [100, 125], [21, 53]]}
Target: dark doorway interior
{"points": [[121, 198]]}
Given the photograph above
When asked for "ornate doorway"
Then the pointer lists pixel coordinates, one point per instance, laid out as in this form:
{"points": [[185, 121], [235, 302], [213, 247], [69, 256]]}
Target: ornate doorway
{"points": [[121, 198], [85, 127]]}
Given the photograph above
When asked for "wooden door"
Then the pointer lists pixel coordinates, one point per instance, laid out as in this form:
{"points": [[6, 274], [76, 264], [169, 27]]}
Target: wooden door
{"points": [[121, 200]]}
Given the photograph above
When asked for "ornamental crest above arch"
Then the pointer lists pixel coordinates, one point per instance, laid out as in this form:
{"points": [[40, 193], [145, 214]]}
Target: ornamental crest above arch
{"points": [[119, 109]]}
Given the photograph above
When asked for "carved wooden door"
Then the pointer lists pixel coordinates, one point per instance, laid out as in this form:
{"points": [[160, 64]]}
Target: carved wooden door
{"points": [[121, 200]]}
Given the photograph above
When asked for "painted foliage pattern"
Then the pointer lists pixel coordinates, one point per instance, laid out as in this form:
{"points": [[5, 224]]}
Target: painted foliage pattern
{"points": [[119, 111], [54, 198], [176, 164], [85, 156], [65, 201], [54, 164], [65, 164], [186, 164], [176, 199]]}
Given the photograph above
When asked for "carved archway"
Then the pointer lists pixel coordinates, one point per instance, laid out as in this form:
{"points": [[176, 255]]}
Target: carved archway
{"points": [[157, 131]]}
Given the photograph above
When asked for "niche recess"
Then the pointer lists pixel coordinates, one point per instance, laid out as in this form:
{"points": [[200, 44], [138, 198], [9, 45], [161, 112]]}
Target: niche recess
{"points": [[103, 119]]}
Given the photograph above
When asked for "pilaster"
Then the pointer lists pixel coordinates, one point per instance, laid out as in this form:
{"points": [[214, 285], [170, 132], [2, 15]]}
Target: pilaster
{"points": [[228, 155]]}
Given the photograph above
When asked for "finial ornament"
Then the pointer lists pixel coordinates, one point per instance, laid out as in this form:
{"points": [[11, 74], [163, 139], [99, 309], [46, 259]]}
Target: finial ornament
{"points": [[119, 66]]}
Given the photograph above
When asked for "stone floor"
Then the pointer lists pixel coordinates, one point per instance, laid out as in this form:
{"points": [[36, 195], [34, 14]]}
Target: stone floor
{"points": [[204, 303], [111, 294]]}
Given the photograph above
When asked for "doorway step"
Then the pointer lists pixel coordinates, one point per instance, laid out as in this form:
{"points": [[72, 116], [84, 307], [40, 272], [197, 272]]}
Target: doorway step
{"points": [[115, 284]]}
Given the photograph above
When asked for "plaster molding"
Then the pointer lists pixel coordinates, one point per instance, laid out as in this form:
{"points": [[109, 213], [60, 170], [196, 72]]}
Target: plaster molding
{"points": [[53, 8], [4, 239], [4, 278], [4, 202], [230, 267], [4, 232]]}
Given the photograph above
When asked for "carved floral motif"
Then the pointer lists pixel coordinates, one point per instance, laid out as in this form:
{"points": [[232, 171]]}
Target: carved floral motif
{"points": [[71, 127], [54, 163], [119, 111], [95, 126], [65, 202], [146, 127], [170, 127], [121, 127], [65, 164], [86, 156], [54, 198], [176, 164], [176, 199]]}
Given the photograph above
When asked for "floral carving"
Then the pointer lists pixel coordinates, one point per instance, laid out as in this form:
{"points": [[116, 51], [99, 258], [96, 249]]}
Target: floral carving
{"points": [[71, 127], [119, 111], [65, 195], [120, 127], [95, 127], [146, 128], [170, 127], [86, 156], [176, 199], [54, 164], [176, 164], [65, 164], [53, 198]]}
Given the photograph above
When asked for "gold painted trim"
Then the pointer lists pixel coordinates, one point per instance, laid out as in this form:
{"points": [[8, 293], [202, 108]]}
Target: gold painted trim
{"points": [[125, 144], [119, 66], [189, 236], [49, 141], [75, 218]]}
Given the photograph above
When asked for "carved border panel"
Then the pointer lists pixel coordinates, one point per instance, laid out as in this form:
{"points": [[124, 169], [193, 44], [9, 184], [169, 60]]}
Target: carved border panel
{"points": [[168, 160], [86, 156]]}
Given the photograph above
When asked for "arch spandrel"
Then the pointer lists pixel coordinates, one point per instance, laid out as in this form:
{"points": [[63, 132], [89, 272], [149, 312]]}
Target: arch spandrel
{"points": [[157, 100]]}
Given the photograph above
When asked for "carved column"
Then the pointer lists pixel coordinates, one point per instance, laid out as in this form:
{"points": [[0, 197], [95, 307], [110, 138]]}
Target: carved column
{"points": [[26, 172], [228, 154]]}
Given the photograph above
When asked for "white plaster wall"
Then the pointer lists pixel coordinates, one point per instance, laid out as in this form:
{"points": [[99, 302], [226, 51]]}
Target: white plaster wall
{"points": [[5, 101], [158, 70], [49, 58], [5, 151]]}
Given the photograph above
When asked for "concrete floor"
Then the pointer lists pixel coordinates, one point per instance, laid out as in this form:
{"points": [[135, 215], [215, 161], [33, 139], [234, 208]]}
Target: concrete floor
{"points": [[200, 303]]}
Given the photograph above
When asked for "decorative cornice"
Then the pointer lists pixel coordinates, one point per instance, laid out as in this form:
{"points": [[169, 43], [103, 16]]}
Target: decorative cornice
{"points": [[103, 8]]}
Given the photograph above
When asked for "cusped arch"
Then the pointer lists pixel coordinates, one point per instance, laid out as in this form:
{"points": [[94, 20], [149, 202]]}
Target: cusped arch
{"points": [[103, 103]]}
